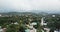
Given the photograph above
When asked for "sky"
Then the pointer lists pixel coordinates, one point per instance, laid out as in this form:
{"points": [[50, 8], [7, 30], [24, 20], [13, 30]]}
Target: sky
{"points": [[29, 5]]}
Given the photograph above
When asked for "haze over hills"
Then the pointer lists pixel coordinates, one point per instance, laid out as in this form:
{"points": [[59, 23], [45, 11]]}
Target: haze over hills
{"points": [[35, 11]]}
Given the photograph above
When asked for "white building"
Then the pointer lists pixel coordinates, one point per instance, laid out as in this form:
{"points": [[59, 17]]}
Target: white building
{"points": [[47, 29], [53, 15], [33, 30], [56, 30], [1, 30], [0, 15]]}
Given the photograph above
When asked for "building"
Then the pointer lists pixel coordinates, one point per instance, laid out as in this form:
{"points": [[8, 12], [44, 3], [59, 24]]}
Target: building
{"points": [[43, 23], [0, 15]]}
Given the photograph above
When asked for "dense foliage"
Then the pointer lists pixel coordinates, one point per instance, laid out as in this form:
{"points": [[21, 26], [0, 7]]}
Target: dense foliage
{"points": [[14, 23]]}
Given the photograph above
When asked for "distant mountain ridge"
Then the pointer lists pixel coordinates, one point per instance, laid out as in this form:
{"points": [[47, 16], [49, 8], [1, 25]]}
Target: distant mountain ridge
{"points": [[15, 13]]}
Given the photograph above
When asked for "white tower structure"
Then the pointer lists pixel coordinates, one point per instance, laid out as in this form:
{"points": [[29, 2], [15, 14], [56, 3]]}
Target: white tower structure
{"points": [[1, 30], [42, 21], [0, 15]]}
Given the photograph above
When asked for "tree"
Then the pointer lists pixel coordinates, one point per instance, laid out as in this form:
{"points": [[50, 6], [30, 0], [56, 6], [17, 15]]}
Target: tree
{"points": [[53, 23]]}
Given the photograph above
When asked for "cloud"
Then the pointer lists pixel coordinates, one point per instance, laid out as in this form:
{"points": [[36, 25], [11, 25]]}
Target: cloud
{"points": [[29, 5]]}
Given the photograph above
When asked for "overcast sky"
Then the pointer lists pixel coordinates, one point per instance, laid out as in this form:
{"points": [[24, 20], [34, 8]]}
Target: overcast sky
{"points": [[30, 5]]}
